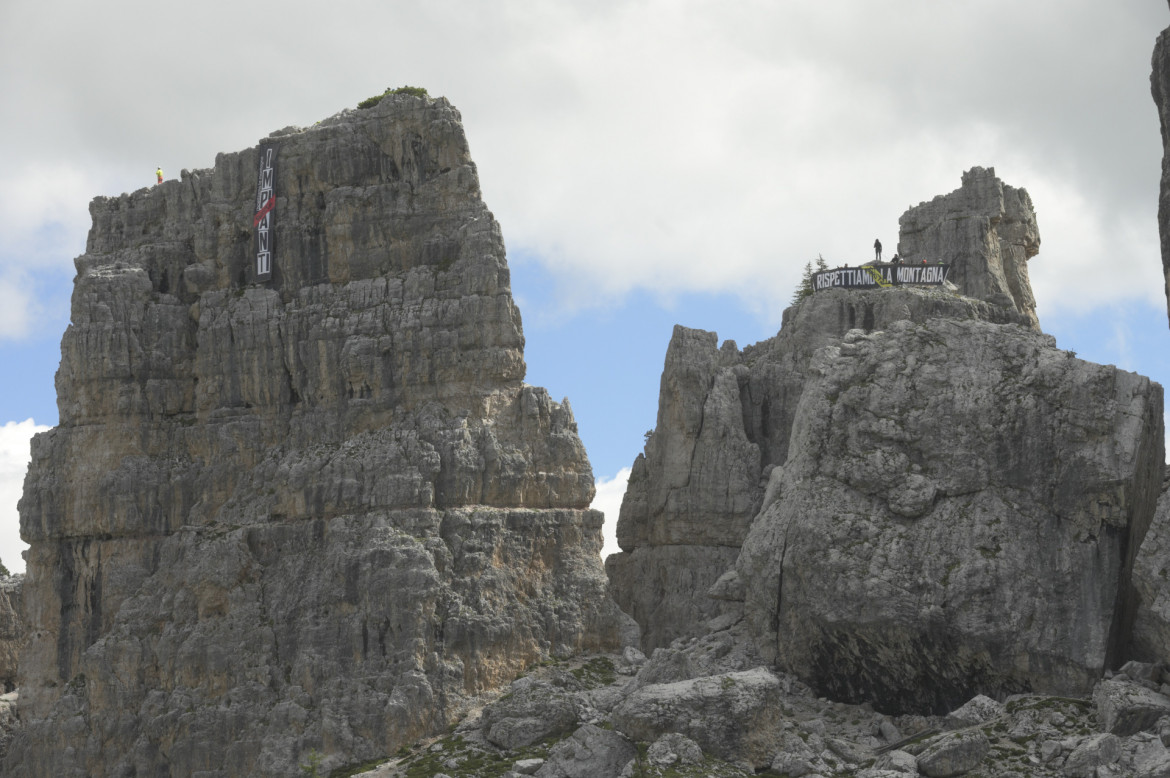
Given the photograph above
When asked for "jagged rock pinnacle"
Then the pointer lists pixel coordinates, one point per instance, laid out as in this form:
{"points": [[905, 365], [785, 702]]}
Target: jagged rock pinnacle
{"points": [[310, 510]]}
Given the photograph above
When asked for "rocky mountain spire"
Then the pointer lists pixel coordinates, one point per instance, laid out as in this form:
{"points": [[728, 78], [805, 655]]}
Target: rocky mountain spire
{"points": [[986, 231], [307, 510], [909, 496], [1160, 88]]}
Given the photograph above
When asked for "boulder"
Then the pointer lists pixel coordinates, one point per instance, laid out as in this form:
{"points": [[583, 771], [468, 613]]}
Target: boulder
{"points": [[591, 752], [1125, 707], [527, 766], [954, 753], [1148, 674], [1145, 757], [896, 761], [978, 710], [633, 657], [1090, 754], [735, 716], [532, 711], [796, 756], [674, 749]]}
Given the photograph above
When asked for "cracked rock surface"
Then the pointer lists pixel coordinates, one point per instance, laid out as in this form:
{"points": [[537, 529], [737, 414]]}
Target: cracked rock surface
{"points": [[911, 495], [310, 515]]}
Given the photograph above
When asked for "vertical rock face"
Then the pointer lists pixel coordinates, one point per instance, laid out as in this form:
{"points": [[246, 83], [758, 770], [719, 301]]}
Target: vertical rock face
{"points": [[986, 231], [307, 514], [1151, 632], [725, 416], [925, 498], [724, 421], [1160, 88], [12, 629], [958, 515], [691, 497]]}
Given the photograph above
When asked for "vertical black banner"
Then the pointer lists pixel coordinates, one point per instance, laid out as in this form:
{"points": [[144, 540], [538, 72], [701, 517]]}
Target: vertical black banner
{"points": [[265, 215]]}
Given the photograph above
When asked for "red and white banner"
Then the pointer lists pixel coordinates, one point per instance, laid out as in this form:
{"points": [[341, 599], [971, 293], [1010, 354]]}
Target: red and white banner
{"points": [[265, 215]]}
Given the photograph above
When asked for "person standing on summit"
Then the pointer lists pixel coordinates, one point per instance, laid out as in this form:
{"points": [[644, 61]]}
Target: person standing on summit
{"points": [[159, 174], [877, 247]]}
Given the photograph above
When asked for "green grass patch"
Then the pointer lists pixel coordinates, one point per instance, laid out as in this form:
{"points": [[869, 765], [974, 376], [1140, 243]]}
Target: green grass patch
{"points": [[598, 671], [414, 91]]}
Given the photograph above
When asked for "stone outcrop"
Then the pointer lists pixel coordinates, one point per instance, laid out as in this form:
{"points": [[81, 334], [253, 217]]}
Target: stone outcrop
{"points": [[591, 752], [532, 711], [1126, 708], [958, 515], [311, 514], [925, 498], [986, 231], [12, 629], [953, 754], [769, 720], [724, 421], [1160, 88], [725, 415], [1151, 581], [736, 715]]}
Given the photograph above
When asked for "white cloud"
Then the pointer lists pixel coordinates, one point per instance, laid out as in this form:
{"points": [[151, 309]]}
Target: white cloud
{"points": [[14, 459], [1091, 255], [608, 500], [707, 145], [697, 146], [721, 155], [43, 224], [44, 215]]}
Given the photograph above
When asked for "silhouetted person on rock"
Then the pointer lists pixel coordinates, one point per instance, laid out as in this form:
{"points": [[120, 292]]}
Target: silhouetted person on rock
{"points": [[877, 247], [159, 174]]}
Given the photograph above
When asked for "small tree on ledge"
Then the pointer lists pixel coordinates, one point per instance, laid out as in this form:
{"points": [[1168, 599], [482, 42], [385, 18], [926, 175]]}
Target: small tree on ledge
{"points": [[806, 280]]}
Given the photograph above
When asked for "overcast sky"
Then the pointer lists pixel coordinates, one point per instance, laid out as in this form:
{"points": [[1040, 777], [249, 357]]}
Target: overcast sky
{"points": [[649, 162]]}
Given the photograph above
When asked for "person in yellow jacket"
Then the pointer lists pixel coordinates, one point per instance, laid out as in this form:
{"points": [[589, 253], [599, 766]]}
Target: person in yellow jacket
{"points": [[159, 174]]}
